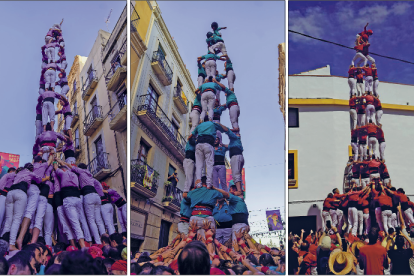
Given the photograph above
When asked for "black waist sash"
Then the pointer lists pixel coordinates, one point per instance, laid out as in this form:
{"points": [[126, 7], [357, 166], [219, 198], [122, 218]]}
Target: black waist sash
{"points": [[223, 225], [69, 153], [67, 114], [208, 139], [69, 192], [38, 117], [120, 202], [44, 189], [240, 218], [20, 186], [57, 198], [235, 151], [218, 160], [189, 154], [104, 200], [49, 99], [88, 190]]}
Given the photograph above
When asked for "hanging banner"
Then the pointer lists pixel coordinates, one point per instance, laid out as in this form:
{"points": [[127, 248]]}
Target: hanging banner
{"points": [[274, 220], [230, 178], [8, 160], [149, 174]]}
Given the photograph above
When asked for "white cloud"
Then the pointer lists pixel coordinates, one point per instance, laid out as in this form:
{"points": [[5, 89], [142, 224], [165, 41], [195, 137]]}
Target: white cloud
{"points": [[400, 8]]}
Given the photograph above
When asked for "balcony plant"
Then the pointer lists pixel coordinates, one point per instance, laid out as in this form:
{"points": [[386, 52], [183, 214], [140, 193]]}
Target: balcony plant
{"points": [[166, 200]]}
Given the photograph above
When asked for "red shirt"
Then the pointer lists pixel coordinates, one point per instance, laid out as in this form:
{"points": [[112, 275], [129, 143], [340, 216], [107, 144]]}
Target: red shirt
{"points": [[313, 248], [363, 201], [365, 50], [373, 258], [411, 204], [351, 73], [362, 134], [309, 261], [377, 104], [383, 170], [368, 71], [369, 99], [344, 203], [356, 170], [360, 75], [359, 48], [375, 73], [384, 200], [327, 204], [354, 196], [403, 197], [364, 169], [354, 135], [372, 130], [352, 103], [380, 135], [374, 166]]}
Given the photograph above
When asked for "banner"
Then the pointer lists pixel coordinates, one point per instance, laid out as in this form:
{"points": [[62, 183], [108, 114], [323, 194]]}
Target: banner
{"points": [[274, 220], [230, 178], [8, 160], [149, 174]]}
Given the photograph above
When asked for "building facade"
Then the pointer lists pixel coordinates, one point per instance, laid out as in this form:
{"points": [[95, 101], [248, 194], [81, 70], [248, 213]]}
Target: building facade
{"points": [[162, 94], [282, 79], [319, 139], [98, 100]]}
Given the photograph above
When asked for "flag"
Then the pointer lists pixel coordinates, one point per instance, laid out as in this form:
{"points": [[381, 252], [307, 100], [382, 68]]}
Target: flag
{"points": [[149, 175], [274, 220], [8, 160]]}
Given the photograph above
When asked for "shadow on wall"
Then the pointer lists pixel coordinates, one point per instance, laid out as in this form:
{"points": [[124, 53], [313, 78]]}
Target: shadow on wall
{"points": [[314, 210]]}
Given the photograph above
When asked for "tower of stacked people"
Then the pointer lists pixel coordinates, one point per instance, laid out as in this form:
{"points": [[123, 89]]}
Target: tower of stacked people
{"points": [[212, 211], [369, 199], [32, 195]]}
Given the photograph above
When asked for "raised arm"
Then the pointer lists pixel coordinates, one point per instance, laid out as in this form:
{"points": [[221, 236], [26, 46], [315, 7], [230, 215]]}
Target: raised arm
{"points": [[224, 193]]}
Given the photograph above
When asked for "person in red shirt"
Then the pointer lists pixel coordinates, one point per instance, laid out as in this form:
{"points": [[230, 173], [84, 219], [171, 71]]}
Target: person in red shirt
{"points": [[374, 165], [360, 108], [352, 80], [360, 81], [335, 205], [381, 142], [373, 256], [370, 109], [364, 202], [385, 203], [375, 77], [385, 176], [308, 259], [353, 198], [352, 111], [362, 142], [354, 142], [359, 55], [372, 138], [378, 110], [364, 171], [343, 211], [356, 172], [363, 36], [327, 206], [368, 78], [409, 212]]}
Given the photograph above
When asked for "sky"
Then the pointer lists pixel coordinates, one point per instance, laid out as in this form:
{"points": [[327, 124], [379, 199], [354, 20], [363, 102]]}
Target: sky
{"points": [[339, 22], [254, 30], [24, 26]]}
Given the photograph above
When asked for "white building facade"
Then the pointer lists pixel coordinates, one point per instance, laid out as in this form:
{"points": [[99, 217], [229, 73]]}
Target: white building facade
{"points": [[319, 140]]}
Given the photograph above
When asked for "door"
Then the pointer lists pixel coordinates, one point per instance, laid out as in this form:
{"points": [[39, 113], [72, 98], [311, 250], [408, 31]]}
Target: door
{"points": [[143, 152], [95, 109], [152, 99], [296, 224], [164, 233], [100, 156]]}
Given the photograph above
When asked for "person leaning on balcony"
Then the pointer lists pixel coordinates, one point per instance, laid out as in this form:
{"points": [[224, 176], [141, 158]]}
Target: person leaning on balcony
{"points": [[204, 150], [189, 164], [202, 200], [120, 203], [174, 179], [236, 157]]}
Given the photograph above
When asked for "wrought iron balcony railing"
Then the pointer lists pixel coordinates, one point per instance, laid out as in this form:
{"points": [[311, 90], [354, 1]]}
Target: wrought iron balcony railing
{"points": [[175, 193], [149, 104], [141, 173], [114, 66], [94, 114], [134, 19], [178, 92], [90, 80], [158, 56], [100, 162], [122, 100]]}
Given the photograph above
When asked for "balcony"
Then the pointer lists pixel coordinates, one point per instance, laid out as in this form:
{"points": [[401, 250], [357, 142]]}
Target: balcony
{"points": [[75, 117], [144, 179], [93, 120], [161, 68], [99, 166], [180, 100], [151, 115], [173, 197], [89, 85], [116, 75], [118, 114], [122, 53], [122, 21], [78, 148]]}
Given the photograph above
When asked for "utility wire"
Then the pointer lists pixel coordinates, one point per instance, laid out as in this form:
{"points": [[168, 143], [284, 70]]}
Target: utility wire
{"points": [[340, 45]]}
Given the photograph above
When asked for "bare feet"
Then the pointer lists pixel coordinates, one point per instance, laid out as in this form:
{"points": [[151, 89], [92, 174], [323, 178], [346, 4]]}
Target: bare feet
{"points": [[19, 244], [12, 248]]}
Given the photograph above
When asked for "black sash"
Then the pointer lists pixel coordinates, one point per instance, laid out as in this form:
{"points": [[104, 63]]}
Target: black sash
{"points": [[240, 218], [88, 190], [120, 202], [235, 151], [44, 189], [20, 186], [189, 154], [69, 153], [208, 139], [69, 192], [57, 198], [49, 99], [226, 224]]}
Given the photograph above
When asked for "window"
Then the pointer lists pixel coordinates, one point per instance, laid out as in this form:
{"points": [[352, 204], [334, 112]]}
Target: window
{"points": [[161, 51], [175, 128], [152, 100], [99, 146], [116, 62], [143, 151], [171, 170], [75, 108], [293, 169], [164, 233], [94, 106], [74, 85], [90, 73], [293, 117], [77, 144]]}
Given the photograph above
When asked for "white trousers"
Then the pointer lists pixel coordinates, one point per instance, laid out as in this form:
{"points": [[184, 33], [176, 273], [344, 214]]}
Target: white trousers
{"points": [[92, 207], [211, 67], [325, 217], [361, 119], [65, 223], [48, 224], [340, 217], [220, 46], [2, 209], [370, 111], [39, 127], [84, 222], [200, 80], [376, 84], [364, 182], [107, 212], [183, 228], [231, 77], [33, 194], [204, 155], [367, 222], [382, 150], [195, 119], [369, 83], [48, 111], [237, 163], [46, 151], [15, 206], [208, 99], [386, 181], [73, 210], [189, 171], [362, 151], [50, 78], [386, 220], [71, 160], [353, 220], [378, 115], [219, 177], [361, 57], [65, 89], [352, 86], [37, 222], [360, 222], [360, 88], [234, 113], [409, 215], [334, 217], [371, 59], [378, 216], [373, 175], [372, 143], [122, 217], [354, 118], [50, 52], [64, 63], [355, 149]]}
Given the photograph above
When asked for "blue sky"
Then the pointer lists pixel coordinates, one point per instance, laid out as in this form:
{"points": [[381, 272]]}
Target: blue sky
{"points": [[339, 22], [254, 30], [24, 26]]}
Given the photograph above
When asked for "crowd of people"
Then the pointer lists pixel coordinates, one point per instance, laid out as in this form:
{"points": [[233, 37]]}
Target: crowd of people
{"points": [[107, 258], [52, 207], [369, 228], [213, 230]]}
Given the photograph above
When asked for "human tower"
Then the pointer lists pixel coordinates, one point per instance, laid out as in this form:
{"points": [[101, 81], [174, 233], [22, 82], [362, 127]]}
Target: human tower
{"points": [[369, 199], [32, 195], [210, 211]]}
